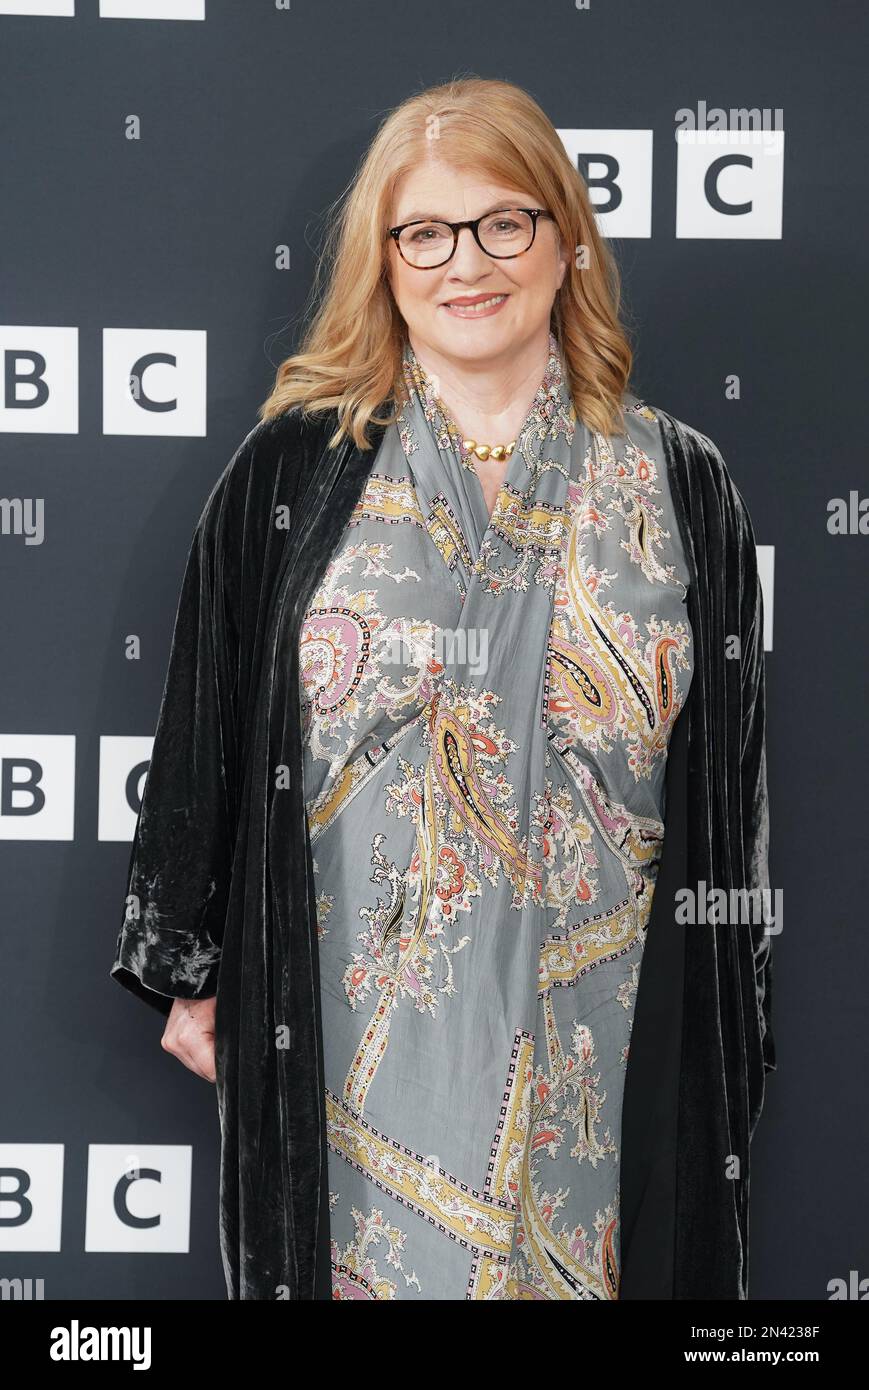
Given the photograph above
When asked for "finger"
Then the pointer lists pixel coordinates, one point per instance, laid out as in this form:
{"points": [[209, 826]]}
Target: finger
{"points": [[199, 1057], [194, 1047]]}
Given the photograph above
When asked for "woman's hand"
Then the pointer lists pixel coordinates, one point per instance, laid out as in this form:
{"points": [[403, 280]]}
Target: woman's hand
{"points": [[189, 1034]]}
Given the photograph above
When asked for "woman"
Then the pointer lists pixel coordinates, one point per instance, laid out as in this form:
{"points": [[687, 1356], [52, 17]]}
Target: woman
{"points": [[394, 869]]}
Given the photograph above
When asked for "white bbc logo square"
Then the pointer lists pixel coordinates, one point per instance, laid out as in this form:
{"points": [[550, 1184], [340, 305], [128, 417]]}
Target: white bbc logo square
{"points": [[152, 9], [138, 1197], [63, 9], [154, 381], [766, 575], [38, 379], [123, 771], [729, 184], [619, 177], [31, 1196], [37, 786]]}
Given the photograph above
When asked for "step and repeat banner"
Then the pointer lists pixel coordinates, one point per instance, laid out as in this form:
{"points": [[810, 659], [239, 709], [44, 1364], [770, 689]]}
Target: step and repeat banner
{"points": [[168, 169]]}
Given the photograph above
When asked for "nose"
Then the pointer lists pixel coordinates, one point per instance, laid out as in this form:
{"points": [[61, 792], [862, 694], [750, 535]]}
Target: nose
{"points": [[468, 253]]}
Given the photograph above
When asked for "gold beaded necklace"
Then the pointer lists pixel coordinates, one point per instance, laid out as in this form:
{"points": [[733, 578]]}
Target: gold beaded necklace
{"points": [[467, 449], [489, 451]]}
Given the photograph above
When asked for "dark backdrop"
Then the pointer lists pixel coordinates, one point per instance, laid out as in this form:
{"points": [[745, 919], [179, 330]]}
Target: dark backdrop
{"points": [[251, 121]]}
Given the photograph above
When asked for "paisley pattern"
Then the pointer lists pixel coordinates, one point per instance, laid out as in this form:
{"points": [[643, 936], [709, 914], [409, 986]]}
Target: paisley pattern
{"points": [[487, 707]]}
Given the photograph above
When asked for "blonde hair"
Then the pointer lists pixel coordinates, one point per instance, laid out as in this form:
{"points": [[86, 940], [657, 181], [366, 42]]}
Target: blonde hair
{"points": [[350, 355]]}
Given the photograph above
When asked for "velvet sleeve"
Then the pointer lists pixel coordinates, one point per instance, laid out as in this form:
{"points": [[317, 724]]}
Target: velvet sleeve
{"points": [[755, 800], [169, 944]]}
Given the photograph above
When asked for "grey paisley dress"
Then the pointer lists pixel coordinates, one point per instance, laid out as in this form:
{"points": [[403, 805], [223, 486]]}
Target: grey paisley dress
{"points": [[487, 706]]}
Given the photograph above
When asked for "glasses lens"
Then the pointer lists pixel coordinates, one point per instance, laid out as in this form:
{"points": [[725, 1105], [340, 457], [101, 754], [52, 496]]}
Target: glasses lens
{"points": [[507, 233], [426, 243]]}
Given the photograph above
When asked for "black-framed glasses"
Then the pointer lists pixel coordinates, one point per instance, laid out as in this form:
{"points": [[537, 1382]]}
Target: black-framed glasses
{"points": [[505, 233]]}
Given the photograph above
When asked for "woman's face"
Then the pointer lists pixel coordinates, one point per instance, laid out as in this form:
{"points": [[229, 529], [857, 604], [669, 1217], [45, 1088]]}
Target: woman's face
{"points": [[529, 282]]}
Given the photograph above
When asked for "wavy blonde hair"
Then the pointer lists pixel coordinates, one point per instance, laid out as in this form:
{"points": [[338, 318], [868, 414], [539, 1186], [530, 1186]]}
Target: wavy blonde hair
{"points": [[350, 355]]}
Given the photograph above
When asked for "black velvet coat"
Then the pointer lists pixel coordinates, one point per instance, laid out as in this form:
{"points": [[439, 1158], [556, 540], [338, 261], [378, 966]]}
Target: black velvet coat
{"points": [[221, 894]]}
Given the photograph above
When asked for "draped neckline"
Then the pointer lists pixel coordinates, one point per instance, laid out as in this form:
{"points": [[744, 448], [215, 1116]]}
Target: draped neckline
{"points": [[551, 409]]}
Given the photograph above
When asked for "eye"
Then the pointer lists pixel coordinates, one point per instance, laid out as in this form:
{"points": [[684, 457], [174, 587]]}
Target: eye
{"points": [[429, 232]]}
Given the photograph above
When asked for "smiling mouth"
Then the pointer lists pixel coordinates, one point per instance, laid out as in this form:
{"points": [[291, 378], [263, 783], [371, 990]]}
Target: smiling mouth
{"points": [[475, 306]]}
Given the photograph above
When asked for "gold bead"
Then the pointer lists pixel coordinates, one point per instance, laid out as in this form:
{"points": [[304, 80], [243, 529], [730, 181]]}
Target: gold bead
{"points": [[498, 452]]}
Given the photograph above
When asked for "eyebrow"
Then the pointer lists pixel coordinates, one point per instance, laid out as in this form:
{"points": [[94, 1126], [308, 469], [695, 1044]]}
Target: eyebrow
{"points": [[439, 216]]}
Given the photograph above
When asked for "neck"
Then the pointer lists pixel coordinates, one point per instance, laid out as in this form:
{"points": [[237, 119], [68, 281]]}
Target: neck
{"points": [[490, 399]]}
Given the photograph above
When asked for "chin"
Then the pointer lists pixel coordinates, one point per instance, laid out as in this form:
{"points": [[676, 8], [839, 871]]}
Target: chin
{"points": [[477, 339]]}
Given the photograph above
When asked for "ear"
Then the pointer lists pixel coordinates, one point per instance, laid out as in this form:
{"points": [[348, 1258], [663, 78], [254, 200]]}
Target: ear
{"points": [[389, 268], [564, 255]]}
